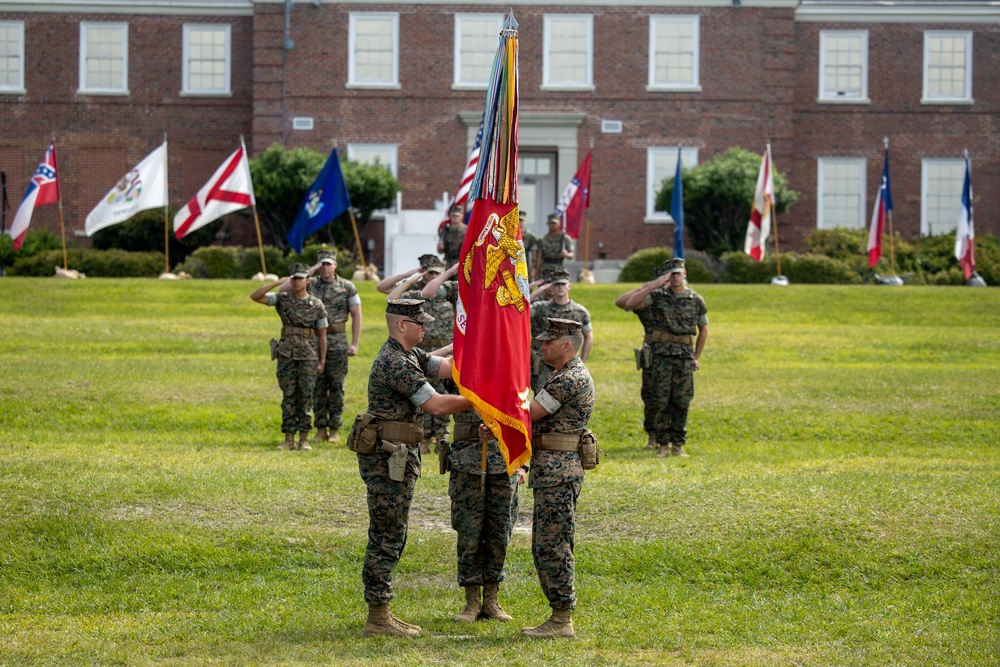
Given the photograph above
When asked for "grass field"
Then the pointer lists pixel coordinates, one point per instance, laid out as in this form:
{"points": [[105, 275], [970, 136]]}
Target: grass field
{"points": [[841, 505]]}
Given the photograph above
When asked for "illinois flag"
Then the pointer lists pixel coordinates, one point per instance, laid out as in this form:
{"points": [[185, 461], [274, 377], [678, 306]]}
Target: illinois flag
{"points": [[492, 317], [230, 189], [576, 198], [880, 212], [142, 188], [965, 234], [325, 200], [42, 189], [759, 227]]}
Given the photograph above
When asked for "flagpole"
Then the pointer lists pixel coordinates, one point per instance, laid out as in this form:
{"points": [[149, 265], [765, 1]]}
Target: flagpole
{"points": [[586, 242], [357, 238], [166, 214], [892, 254], [774, 215], [62, 225], [253, 205]]}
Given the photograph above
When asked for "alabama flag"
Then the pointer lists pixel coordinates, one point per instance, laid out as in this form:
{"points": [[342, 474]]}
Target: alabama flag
{"points": [[42, 189], [576, 198], [965, 235], [759, 227], [230, 189]]}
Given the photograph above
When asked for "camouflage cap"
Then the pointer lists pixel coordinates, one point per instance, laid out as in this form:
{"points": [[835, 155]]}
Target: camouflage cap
{"points": [[659, 271], [675, 265], [411, 308], [327, 257], [298, 270], [457, 208], [559, 328], [431, 262], [554, 217], [559, 277]]}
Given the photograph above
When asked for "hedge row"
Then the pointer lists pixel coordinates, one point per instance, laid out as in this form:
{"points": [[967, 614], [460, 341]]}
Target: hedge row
{"points": [[94, 263], [238, 262]]}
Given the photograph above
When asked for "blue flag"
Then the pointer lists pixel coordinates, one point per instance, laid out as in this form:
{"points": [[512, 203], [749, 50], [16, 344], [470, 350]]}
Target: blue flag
{"points": [[677, 209], [326, 199]]}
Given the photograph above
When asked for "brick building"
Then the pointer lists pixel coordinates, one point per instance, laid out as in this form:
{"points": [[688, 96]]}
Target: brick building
{"points": [[824, 81]]}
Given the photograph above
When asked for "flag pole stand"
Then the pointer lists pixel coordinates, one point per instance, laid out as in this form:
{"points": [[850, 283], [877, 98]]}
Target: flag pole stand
{"points": [[260, 242]]}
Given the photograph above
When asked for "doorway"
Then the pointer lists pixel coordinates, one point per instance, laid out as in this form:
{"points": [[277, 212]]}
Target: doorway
{"points": [[536, 187]]}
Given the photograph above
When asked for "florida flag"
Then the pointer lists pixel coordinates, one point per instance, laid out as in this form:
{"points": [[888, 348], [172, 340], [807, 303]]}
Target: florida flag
{"points": [[43, 189], [230, 189], [965, 235], [759, 227], [576, 198], [881, 211]]}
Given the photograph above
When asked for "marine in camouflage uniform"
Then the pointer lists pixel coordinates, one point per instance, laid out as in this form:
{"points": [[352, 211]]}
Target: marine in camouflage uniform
{"points": [[564, 406], [453, 235], [551, 248], [530, 244], [341, 300], [397, 391], [677, 315], [541, 310], [304, 321]]}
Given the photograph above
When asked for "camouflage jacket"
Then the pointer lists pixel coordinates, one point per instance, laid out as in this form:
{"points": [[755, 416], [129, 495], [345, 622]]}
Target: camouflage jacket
{"points": [[308, 313], [338, 296], [540, 310], [551, 247], [647, 317], [442, 307], [397, 376], [452, 238], [570, 392], [676, 314]]}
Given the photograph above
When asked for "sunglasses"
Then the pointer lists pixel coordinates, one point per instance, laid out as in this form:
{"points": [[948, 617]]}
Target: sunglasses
{"points": [[419, 324]]}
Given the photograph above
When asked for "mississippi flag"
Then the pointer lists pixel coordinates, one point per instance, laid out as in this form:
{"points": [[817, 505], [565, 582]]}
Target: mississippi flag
{"points": [[462, 196], [230, 189], [576, 198], [43, 189], [965, 235], [759, 227], [880, 213]]}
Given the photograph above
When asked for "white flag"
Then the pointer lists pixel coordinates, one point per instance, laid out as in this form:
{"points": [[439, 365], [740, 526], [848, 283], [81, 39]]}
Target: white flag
{"points": [[143, 187], [759, 227], [230, 189]]}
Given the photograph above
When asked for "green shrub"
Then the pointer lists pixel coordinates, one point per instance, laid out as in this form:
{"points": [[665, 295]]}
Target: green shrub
{"points": [[346, 263], [34, 243], [250, 262], [701, 267], [810, 269], [213, 262], [739, 267], [94, 263], [144, 232]]}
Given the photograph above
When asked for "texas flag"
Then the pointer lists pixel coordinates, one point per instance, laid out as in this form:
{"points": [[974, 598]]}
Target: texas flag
{"points": [[576, 198], [230, 189], [965, 235], [43, 189], [881, 212]]}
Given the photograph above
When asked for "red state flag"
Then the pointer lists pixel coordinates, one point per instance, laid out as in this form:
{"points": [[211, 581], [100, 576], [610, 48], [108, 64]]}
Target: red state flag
{"points": [[493, 327]]}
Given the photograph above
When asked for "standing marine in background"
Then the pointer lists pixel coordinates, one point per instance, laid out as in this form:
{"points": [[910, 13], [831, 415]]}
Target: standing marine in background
{"points": [[553, 248], [555, 304], [300, 353], [644, 360], [530, 244], [677, 315], [452, 235]]}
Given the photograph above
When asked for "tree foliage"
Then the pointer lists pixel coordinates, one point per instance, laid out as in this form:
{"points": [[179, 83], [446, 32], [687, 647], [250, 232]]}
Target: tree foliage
{"points": [[718, 197], [282, 177]]}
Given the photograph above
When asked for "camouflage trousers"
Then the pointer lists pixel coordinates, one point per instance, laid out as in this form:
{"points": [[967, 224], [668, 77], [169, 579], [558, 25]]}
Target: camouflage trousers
{"points": [[296, 379], [436, 426], [388, 515], [649, 396], [328, 397], [553, 537], [673, 382], [483, 522]]}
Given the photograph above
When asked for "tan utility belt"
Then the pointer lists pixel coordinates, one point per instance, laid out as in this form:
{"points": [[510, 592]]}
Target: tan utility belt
{"points": [[664, 337], [301, 331], [466, 431], [558, 442], [407, 432], [336, 327]]}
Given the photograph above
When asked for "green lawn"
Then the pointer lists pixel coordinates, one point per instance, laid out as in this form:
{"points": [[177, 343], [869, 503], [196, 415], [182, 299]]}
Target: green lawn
{"points": [[840, 505]]}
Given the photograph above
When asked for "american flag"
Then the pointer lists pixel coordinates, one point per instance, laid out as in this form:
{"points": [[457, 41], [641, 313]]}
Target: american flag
{"points": [[462, 196]]}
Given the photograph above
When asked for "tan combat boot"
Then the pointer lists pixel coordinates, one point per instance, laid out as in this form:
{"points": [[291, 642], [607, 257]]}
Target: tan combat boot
{"points": [[334, 435], [664, 451], [401, 623], [678, 450], [321, 435], [651, 444], [560, 624], [491, 605], [379, 622], [289, 443], [472, 605], [303, 441]]}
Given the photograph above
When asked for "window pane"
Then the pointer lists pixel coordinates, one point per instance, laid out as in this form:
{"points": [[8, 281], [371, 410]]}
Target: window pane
{"points": [[105, 57], [478, 38], [674, 57], [569, 51], [840, 195], [943, 181], [208, 59], [947, 60], [10, 55], [843, 66], [373, 50]]}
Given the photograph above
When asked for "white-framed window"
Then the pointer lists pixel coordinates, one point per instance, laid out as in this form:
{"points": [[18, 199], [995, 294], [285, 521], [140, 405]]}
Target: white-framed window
{"points": [[476, 38], [941, 181], [673, 53], [661, 165], [373, 50], [384, 154], [568, 52], [11, 57], [840, 193], [843, 66], [207, 59], [104, 58], [947, 66]]}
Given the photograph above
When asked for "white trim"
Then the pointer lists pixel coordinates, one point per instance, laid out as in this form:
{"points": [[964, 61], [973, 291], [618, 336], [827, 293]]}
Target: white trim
{"points": [[547, 82], [18, 88], [862, 181], [694, 85], [925, 97], [942, 12], [689, 160], [691, 4], [186, 89], [137, 7], [84, 89], [829, 97], [457, 82], [924, 182], [393, 81]]}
